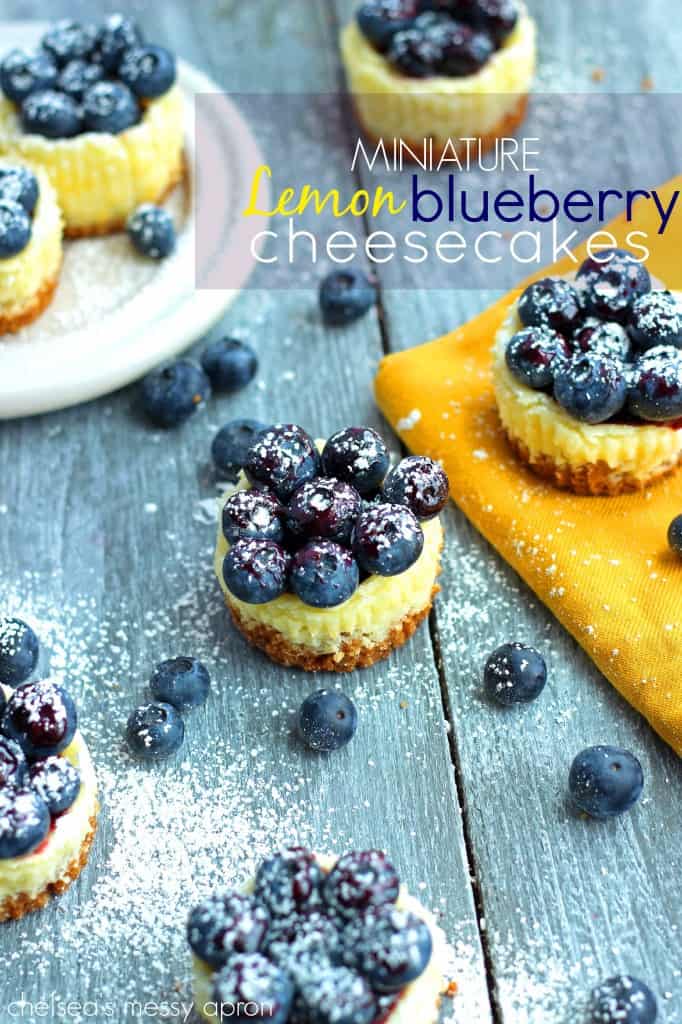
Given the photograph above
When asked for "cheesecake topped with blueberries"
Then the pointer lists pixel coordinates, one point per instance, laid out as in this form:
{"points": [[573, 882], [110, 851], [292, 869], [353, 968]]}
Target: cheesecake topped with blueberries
{"points": [[440, 70], [99, 109], [327, 555], [318, 940], [588, 377]]}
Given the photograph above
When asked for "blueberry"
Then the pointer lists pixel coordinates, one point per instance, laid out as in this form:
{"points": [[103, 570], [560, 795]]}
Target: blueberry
{"points": [[18, 651], [13, 765], [387, 539], [116, 35], [609, 285], [282, 458], [324, 574], [155, 731], [20, 185], [77, 77], [289, 882], [24, 822], [151, 231], [656, 385], [51, 114], [252, 982], [253, 515], [225, 925], [324, 508], [41, 717], [623, 1000], [15, 228], [656, 319], [360, 881], [379, 20], [337, 996], [496, 17], [171, 394], [256, 571], [230, 363], [605, 781], [675, 535], [515, 674], [231, 444], [464, 50], [69, 40], [345, 296], [607, 339], [358, 456], [182, 682], [22, 73], [110, 107], [592, 388], [148, 71], [417, 51], [327, 720], [389, 947], [304, 943], [534, 355], [57, 782], [552, 303], [419, 483]]}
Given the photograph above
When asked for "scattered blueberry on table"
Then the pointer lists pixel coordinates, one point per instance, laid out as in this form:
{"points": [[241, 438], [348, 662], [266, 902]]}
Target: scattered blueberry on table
{"points": [[327, 720], [623, 1000], [182, 682], [152, 231], [171, 394], [19, 650], [231, 444], [674, 540], [515, 674], [155, 731], [345, 296], [605, 781], [230, 364]]}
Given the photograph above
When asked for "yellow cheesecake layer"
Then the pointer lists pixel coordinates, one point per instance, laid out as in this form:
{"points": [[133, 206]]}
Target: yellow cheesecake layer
{"points": [[391, 105], [100, 178], [419, 1002], [533, 418]]}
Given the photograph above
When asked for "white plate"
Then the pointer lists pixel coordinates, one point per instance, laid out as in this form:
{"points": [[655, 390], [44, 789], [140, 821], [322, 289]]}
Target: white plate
{"points": [[115, 314]]}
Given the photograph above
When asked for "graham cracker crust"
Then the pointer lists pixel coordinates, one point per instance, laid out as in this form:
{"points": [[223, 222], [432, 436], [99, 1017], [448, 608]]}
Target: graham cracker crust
{"points": [[597, 479], [14, 907], [10, 323]]}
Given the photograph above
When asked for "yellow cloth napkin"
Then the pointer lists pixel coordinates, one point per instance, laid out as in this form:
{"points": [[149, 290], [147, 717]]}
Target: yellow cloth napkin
{"points": [[601, 564]]}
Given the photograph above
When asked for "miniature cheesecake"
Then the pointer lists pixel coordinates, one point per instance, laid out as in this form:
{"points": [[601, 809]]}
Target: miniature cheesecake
{"points": [[99, 110], [588, 378], [417, 72], [30, 244], [311, 936], [328, 558], [48, 797]]}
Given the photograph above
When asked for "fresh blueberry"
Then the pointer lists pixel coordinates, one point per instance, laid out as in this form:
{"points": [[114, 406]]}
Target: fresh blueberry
{"points": [[605, 781], [253, 515], [148, 71], [57, 782], [182, 682], [607, 339], [419, 483], [13, 765], [24, 822], [110, 107], [360, 881], [77, 77], [358, 456], [418, 51], [289, 882], [155, 731], [389, 947], [263, 990], [225, 925], [324, 508], [304, 943], [20, 185], [534, 355], [387, 539], [230, 363], [18, 651], [41, 717], [515, 674], [22, 73], [152, 231], [609, 285], [69, 40], [15, 228], [51, 114], [282, 458], [231, 444], [656, 319], [656, 385], [337, 996], [675, 535], [171, 394], [496, 17], [327, 720], [345, 296], [379, 20], [552, 303], [117, 34], [256, 571], [623, 1000], [592, 388], [464, 49], [324, 574]]}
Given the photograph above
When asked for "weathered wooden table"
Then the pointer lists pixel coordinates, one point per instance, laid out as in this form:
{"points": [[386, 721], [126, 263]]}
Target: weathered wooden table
{"points": [[105, 543]]}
